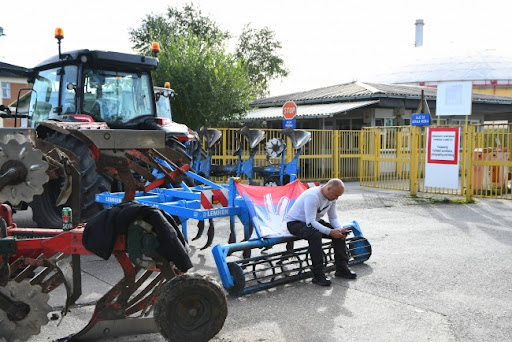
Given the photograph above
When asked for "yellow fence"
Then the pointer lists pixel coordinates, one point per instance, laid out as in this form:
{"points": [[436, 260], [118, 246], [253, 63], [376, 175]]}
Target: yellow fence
{"points": [[388, 157]]}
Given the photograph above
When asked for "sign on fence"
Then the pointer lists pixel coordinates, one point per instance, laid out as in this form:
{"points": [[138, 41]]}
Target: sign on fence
{"points": [[442, 162], [421, 119]]}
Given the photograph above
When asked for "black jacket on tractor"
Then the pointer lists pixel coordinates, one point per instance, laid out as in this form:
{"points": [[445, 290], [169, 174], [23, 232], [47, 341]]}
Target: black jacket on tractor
{"points": [[101, 231]]}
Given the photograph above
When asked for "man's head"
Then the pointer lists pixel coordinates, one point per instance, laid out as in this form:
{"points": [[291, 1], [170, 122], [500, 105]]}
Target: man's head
{"points": [[333, 189]]}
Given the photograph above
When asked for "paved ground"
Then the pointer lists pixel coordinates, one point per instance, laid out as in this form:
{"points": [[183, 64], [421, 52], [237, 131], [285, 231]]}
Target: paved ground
{"points": [[439, 272]]}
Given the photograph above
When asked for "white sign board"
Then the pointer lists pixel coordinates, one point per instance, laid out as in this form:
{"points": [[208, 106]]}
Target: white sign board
{"points": [[442, 161], [454, 98]]}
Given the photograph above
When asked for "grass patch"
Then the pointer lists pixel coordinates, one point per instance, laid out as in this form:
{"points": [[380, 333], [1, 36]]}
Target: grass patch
{"points": [[441, 200]]}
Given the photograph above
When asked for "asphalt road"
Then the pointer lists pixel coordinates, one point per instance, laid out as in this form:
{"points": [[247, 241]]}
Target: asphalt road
{"points": [[438, 272]]}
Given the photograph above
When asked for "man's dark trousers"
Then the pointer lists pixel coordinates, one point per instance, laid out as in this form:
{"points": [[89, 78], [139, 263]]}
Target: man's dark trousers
{"points": [[314, 237]]}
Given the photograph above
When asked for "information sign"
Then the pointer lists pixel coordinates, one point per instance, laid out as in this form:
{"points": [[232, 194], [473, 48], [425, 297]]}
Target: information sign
{"points": [[420, 119]]}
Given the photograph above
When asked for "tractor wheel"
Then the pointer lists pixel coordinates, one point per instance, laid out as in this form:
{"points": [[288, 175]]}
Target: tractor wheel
{"points": [[181, 149], [45, 212], [190, 308]]}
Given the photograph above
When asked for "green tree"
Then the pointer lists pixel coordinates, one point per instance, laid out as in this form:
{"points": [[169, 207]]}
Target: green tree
{"points": [[258, 49], [212, 90], [177, 23], [194, 59]]}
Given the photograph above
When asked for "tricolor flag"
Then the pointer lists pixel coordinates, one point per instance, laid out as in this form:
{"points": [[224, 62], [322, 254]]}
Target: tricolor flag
{"points": [[268, 205]]}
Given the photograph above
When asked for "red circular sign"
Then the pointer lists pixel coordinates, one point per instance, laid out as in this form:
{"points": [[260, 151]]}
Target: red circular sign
{"points": [[289, 110]]}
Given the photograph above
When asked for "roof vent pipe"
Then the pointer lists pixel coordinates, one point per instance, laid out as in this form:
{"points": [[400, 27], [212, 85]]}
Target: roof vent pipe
{"points": [[419, 32]]}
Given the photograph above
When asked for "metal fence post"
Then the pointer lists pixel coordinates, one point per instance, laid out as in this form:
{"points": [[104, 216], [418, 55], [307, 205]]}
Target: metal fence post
{"points": [[336, 173], [469, 141], [413, 176], [376, 153]]}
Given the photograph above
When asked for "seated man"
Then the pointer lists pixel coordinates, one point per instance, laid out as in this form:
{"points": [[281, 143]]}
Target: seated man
{"points": [[304, 219]]}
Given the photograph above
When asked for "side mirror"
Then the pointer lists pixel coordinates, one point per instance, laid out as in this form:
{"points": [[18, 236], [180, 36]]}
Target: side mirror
{"points": [[71, 86], [5, 109]]}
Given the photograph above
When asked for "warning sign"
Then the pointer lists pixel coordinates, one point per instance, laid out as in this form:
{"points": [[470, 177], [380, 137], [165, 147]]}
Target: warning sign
{"points": [[442, 152]]}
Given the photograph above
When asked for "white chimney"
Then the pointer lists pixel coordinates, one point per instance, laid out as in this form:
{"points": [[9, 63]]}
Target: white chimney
{"points": [[419, 32]]}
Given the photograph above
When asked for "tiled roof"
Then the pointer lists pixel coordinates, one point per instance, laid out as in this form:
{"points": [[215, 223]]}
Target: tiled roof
{"points": [[364, 91], [322, 110], [9, 70]]}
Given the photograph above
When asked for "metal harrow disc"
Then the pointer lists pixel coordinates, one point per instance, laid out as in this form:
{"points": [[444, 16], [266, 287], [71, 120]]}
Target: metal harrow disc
{"points": [[27, 160], [274, 147], [38, 316]]}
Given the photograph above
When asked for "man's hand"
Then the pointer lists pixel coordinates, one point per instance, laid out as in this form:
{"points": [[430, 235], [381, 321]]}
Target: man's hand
{"points": [[340, 233]]}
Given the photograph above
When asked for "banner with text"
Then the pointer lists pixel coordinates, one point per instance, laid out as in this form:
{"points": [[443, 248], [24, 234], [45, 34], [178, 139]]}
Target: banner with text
{"points": [[442, 160]]}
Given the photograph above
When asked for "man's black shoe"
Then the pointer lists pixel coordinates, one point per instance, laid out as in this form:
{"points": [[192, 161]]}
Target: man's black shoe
{"points": [[322, 280], [345, 272]]}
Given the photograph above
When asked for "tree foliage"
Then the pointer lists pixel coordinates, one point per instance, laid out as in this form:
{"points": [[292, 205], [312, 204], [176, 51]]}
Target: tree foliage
{"points": [[212, 90], [214, 86], [258, 49], [177, 23]]}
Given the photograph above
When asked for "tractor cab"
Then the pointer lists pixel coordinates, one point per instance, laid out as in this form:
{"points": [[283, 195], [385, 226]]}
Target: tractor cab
{"points": [[88, 86], [163, 97], [92, 86]]}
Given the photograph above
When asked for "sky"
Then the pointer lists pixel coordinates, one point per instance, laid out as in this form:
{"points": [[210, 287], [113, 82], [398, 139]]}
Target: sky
{"points": [[324, 42]]}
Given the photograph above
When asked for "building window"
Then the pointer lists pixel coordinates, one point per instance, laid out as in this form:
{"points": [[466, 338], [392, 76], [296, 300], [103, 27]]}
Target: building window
{"points": [[384, 122], [6, 90], [463, 122]]}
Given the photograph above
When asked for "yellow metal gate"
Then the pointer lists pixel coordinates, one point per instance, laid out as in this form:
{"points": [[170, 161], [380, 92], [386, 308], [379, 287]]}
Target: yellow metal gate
{"points": [[391, 158], [394, 158]]}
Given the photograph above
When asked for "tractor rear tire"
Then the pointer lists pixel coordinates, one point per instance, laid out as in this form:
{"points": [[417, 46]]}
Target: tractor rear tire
{"points": [[44, 211], [191, 308]]}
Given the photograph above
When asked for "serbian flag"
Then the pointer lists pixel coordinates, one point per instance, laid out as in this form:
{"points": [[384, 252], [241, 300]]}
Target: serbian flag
{"points": [[268, 206]]}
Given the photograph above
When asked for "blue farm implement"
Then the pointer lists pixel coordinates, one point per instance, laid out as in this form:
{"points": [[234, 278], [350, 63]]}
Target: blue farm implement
{"points": [[265, 260], [271, 173], [204, 166], [247, 275], [284, 172]]}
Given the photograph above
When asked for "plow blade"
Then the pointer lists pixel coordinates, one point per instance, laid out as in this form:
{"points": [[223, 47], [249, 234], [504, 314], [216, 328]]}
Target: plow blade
{"points": [[116, 328]]}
